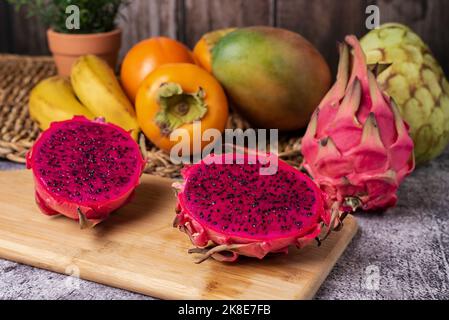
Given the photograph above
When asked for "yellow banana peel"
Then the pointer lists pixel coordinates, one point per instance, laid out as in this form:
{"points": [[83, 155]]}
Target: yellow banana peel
{"points": [[53, 99], [97, 88]]}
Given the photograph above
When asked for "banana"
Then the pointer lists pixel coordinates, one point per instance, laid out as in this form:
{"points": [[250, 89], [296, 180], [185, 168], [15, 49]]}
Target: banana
{"points": [[53, 99], [98, 89]]}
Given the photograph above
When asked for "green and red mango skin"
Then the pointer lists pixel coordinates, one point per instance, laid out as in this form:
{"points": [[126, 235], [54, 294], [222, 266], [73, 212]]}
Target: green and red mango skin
{"points": [[275, 77]]}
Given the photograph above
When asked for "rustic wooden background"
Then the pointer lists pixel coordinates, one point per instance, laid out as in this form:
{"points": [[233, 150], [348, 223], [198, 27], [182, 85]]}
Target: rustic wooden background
{"points": [[323, 22]]}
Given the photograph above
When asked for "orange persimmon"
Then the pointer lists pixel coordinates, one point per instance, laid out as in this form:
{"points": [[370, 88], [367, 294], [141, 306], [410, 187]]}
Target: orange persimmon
{"points": [[146, 56], [174, 96], [203, 48]]}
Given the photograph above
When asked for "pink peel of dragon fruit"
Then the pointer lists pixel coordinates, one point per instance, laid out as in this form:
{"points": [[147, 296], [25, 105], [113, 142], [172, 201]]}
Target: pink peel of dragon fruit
{"points": [[241, 212], [84, 169], [357, 147]]}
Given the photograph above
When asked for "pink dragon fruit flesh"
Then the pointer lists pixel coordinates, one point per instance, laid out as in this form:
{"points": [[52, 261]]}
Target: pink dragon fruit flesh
{"points": [[229, 210], [84, 169], [357, 147]]}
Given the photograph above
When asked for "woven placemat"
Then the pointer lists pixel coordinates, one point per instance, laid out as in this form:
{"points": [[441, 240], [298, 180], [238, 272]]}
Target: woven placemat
{"points": [[19, 74]]}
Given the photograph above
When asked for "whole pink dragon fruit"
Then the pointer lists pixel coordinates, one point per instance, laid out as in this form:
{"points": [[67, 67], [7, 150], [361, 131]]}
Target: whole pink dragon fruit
{"points": [[357, 147], [84, 169], [241, 212]]}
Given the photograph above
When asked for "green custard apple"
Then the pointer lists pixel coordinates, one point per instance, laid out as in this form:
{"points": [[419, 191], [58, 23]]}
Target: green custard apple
{"points": [[417, 83]]}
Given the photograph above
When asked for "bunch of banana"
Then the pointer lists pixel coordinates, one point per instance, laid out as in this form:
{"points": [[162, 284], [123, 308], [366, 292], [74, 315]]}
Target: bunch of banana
{"points": [[92, 91], [53, 99], [98, 89]]}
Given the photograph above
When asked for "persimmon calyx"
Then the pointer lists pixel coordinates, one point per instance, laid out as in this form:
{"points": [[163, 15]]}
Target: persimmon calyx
{"points": [[178, 107]]}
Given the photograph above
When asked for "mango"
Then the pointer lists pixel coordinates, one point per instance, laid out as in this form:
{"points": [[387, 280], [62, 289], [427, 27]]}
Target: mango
{"points": [[274, 77]]}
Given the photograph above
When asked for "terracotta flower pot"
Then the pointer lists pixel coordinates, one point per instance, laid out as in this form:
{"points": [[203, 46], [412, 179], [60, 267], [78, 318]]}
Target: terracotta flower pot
{"points": [[66, 48]]}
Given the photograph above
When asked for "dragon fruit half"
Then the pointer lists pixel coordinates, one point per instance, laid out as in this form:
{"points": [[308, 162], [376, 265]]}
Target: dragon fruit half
{"points": [[84, 169], [357, 147], [241, 212]]}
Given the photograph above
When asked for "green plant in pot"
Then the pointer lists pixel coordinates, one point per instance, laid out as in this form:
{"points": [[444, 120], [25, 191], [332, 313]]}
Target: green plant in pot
{"points": [[77, 27]]}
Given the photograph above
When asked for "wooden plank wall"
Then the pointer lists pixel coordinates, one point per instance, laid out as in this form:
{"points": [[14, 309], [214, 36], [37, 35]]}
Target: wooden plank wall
{"points": [[323, 22]]}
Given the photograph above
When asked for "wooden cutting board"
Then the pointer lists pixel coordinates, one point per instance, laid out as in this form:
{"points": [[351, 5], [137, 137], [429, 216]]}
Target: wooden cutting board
{"points": [[138, 249]]}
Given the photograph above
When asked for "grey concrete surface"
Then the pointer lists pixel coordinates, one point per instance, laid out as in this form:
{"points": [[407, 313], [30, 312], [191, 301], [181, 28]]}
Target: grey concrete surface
{"points": [[400, 254]]}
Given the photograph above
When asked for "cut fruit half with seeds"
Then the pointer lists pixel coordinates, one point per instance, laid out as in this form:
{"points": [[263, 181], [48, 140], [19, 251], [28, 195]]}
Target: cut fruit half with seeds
{"points": [[84, 169], [228, 208]]}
